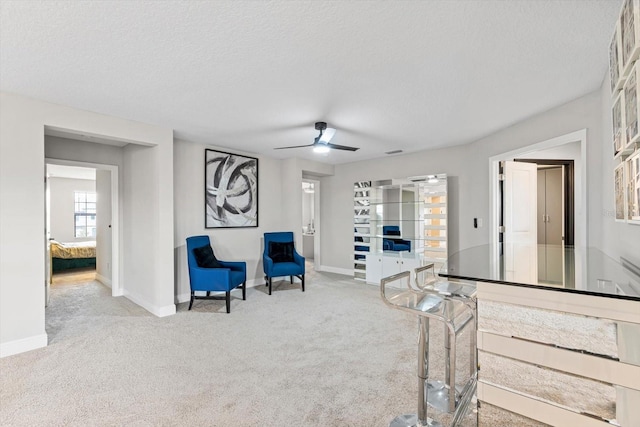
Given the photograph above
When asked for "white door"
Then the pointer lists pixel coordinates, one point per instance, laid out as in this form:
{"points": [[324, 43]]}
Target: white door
{"points": [[520, 222], [47, 234]]}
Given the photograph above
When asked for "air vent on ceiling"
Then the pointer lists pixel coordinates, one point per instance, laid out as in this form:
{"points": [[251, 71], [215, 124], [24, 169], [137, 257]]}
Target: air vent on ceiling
{"points": [[393, 152]]}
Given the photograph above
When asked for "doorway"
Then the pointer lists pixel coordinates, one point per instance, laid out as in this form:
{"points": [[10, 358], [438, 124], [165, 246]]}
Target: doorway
{"points": [[103, 228], [571, 147], [311, 221], [556, 199]]}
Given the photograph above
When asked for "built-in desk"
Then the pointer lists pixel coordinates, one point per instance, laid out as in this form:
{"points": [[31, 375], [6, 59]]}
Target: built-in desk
{"points": [[563, 354]]}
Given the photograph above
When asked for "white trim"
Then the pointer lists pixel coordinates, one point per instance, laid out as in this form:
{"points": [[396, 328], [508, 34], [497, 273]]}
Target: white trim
{"points": [[164, 311], [535, 409], [25, 344], [337, 270], [581, 223], [100, 278], [584, 365], [615, 309]]}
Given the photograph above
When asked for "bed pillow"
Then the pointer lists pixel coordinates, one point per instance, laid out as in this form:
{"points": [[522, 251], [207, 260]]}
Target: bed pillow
{"points": [[205, 257], [281, 251]]}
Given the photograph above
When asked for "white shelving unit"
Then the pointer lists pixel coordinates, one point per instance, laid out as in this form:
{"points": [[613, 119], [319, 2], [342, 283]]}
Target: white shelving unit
{"points": [[418, 211], [435, 223], [361, 228]]}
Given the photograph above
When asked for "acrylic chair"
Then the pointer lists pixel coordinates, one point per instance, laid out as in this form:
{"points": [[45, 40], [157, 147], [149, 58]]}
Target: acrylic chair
{"points": [[281, 259], [208, 274]]}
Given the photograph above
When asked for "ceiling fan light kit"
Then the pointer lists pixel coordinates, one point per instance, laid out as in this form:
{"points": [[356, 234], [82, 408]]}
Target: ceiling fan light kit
{"points": [[321, 143]]}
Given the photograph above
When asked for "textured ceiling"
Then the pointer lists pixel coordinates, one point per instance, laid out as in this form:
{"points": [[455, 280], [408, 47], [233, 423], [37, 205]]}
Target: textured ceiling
{"points": [[253, 76]]}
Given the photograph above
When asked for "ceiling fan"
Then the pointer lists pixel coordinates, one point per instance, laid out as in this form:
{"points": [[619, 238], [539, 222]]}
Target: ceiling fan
{"points": [[321, 143]]}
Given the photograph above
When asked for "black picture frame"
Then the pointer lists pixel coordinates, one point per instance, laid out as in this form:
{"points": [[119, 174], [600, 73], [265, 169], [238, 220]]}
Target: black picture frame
{"points": [[230, 190]]}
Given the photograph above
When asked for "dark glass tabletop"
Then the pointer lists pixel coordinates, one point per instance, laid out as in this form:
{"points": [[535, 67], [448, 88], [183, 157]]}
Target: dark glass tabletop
{"points": [[566, 269]]}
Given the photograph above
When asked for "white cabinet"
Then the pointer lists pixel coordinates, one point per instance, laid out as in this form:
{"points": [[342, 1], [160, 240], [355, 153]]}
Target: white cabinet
{"points": [[307, 245], [361, 227], [381, 265]]}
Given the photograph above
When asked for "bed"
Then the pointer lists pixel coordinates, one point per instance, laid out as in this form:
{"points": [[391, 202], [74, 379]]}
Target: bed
{"points": [[65, 256]]}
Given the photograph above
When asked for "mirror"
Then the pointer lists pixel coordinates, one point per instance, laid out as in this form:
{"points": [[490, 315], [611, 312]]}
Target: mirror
{"points": [[399, 224]]}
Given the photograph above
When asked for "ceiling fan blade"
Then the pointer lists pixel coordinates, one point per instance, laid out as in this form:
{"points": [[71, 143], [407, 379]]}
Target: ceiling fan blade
{"points": [[294, 146], [341, 147], [327, 134]]}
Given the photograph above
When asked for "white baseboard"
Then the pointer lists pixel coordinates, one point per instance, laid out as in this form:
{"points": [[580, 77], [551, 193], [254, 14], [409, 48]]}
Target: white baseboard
{"points": [[343, 271], [100, 278], [185, 297], [163, 311], [25, 344]]}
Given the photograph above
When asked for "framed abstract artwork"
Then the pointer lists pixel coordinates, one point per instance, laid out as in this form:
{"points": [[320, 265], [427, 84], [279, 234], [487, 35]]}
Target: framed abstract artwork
{"points": [[231, 190]]}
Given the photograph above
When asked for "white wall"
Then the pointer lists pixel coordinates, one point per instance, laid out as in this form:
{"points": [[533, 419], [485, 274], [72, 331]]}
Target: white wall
{"points": [[22, 154], [618, 238], [62, 207], [468, 170]]}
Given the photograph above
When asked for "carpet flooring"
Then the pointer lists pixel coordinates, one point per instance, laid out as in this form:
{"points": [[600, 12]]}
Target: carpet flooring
{"points": [[334, 355]]}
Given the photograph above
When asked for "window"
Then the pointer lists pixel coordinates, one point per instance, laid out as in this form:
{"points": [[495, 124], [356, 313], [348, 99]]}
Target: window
{"points": [[85, 214]]}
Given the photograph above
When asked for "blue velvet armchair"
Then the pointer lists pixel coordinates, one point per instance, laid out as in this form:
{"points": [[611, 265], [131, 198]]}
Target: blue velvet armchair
{"points": [[281, 259], [208, 274], [394, 244]]}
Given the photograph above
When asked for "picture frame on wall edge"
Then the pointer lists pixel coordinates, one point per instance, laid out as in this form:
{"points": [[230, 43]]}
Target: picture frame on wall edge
{"points": [[632, 173], [620, 192]]}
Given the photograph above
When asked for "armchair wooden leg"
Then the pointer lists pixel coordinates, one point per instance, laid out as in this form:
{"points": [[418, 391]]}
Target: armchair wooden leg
{"points": [[191, 302], [291, 279], [303, 283], [270, 285], [244, 291], [228, 298]]}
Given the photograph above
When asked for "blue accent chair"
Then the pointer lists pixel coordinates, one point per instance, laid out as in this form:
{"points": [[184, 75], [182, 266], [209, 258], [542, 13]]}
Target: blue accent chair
{"points": [[393, 244], [281, 259], [229, 275]]}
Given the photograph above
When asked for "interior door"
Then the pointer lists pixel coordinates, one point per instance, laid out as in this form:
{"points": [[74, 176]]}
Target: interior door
{"points": [[47, 234], [520, 222]]}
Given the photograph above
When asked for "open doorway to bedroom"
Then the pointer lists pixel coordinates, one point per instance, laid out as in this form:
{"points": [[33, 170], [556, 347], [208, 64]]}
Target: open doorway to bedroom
{"points": [[81, 204], [71, 207]]}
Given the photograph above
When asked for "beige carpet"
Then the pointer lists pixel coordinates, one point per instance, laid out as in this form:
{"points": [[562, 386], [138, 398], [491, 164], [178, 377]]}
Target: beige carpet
{"points": [[334, 355]]}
